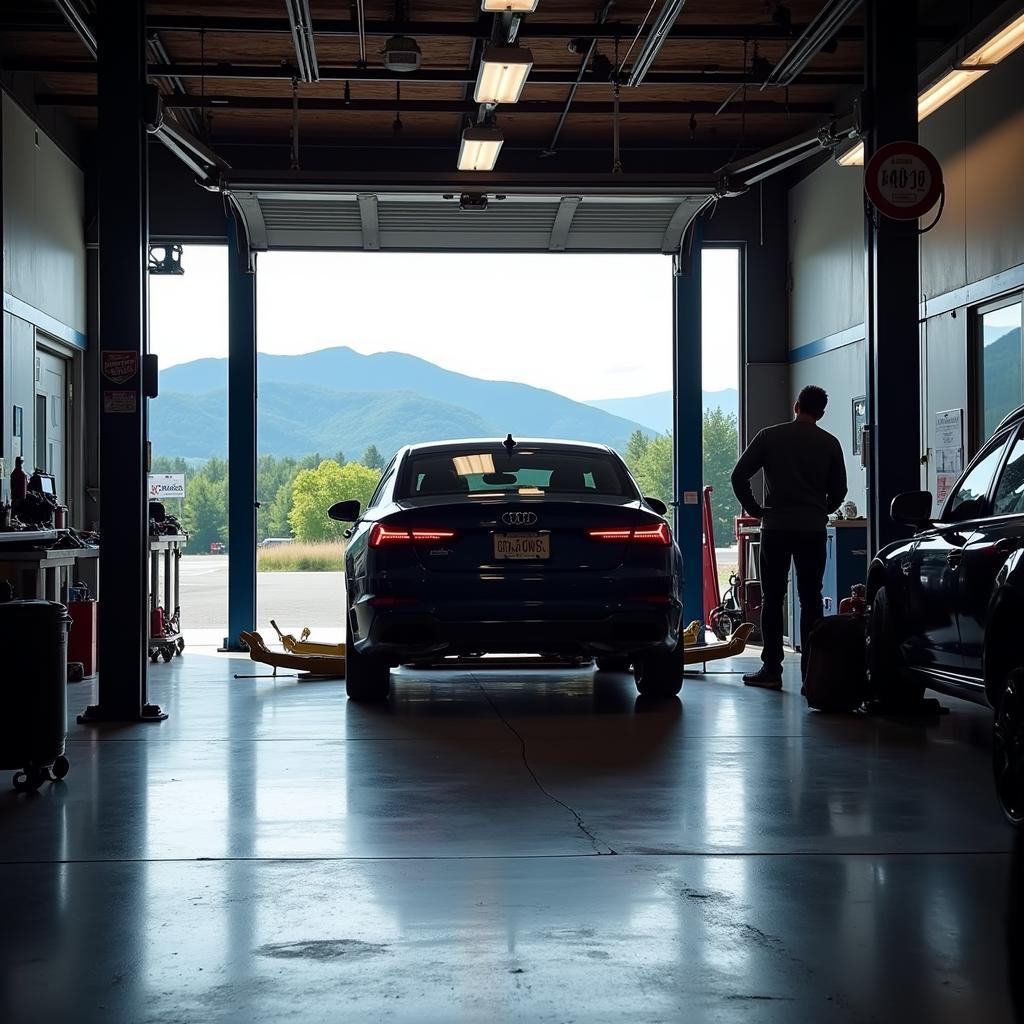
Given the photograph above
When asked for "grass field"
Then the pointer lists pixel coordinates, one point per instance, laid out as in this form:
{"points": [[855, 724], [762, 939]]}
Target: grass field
{"points": [[328, 556]]}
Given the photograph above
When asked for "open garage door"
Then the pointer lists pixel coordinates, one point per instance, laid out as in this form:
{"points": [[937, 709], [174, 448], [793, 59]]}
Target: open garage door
{"points": [[287, 215]]}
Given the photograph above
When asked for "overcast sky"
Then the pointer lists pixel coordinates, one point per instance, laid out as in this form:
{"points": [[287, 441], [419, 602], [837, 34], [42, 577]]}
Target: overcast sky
{"points": [[584, 326]]}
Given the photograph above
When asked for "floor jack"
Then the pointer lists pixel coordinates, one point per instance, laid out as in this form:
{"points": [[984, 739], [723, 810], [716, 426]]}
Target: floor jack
{"points": [[309, 659]]}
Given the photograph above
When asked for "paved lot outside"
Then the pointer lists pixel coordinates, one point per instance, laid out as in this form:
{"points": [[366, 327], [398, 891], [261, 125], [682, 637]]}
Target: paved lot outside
{"points": [[292, 599]]}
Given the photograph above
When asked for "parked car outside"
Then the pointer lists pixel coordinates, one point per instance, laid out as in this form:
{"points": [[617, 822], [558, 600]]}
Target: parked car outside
{"points": [[528, 547], [947, 605]]}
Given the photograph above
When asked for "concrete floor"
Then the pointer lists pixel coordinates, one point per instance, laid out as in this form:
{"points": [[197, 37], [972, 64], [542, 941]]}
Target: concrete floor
{"points": [[502, 847]]}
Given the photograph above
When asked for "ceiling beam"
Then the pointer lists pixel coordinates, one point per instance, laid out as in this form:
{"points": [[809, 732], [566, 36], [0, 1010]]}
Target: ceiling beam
{"points": [[43, 21], [541, 107], [432, 76]]}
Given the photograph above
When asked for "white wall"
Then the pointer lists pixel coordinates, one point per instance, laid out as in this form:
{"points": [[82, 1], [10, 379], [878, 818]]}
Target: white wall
{"points": [[44, 263]]}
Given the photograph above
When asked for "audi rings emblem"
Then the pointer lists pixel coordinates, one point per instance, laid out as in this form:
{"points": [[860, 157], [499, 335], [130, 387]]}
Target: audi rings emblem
{"points": [[519, 518]]}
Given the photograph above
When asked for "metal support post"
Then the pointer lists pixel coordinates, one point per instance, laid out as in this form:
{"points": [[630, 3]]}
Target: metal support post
{"points": [[241, 441], [688, 421], [124, 246], [891, 250]]}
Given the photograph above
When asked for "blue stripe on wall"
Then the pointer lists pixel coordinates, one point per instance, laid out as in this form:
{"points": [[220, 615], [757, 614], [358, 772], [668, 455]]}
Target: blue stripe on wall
{"points": [[828, 344], [25, 311]]}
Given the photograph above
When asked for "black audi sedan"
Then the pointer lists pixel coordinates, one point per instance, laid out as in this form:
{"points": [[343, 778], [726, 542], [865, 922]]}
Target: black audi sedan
{"points": [[947, 606], [515, 546]]}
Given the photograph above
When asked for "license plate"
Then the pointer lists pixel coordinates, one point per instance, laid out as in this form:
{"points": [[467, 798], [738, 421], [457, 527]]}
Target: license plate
{"points": [[524, 546]]}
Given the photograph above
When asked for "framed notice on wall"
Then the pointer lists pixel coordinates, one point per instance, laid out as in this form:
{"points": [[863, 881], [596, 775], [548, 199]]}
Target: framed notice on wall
{"points": [[859, 415], [949, 451]]}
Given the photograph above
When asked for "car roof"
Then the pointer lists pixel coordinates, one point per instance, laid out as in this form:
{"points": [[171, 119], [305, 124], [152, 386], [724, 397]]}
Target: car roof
{"points": [[443, 447]]}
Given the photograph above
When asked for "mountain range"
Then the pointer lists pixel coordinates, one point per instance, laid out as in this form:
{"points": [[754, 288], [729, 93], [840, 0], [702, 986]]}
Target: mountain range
{"points": [[337, 398], [655, 411]]}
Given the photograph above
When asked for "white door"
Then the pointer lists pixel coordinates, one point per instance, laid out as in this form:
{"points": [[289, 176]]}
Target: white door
{"points": [[50, 453]]}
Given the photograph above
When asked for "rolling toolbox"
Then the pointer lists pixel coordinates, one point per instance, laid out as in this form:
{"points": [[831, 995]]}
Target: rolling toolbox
{"points": [[34, 716]]}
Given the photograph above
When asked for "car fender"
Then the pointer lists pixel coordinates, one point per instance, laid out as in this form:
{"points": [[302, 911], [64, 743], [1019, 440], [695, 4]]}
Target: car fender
{"points": [[1002, 626]]}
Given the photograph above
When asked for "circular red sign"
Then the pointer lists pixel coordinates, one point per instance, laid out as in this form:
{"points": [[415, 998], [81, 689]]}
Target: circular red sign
{"points": [[903, 180]]}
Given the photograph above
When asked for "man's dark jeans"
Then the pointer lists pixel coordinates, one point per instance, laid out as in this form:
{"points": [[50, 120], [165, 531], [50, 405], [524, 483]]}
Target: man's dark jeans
{"points": [[806, 549]]}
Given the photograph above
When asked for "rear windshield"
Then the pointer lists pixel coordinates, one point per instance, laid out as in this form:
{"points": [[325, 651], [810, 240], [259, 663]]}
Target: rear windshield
{"points": [[527, 473]]}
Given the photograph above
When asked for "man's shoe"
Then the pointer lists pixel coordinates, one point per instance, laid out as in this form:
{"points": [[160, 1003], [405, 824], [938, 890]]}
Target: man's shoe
{"points": [[764, 678]]}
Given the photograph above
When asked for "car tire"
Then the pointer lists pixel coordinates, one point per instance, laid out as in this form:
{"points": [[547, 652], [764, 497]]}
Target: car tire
{"points": [[1008, 749], [613, 663], [888, 680], [367, 677], [659, 673]]}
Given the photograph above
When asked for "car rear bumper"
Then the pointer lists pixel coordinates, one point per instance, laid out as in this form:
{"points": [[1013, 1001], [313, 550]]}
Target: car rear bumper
{"points": [[574, 625]]}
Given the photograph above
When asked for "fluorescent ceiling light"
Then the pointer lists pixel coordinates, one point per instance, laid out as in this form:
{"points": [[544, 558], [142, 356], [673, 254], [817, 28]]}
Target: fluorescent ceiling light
{"points": [[502, 75], [515, 6], [852, 157], [479, 149], [953, 82], [1001, 45]]}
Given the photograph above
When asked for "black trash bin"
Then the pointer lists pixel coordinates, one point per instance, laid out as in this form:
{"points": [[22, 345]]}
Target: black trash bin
{"points": [[34, 708]]}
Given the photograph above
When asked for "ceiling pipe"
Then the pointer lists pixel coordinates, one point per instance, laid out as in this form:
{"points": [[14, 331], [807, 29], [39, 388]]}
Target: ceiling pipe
{"points": [[811, 41], [655, 40], [79, 24], [433, 76], [300, 22]]}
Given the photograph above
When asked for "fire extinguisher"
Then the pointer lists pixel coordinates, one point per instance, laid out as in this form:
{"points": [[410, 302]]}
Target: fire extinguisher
{"points": [[156, 622]]}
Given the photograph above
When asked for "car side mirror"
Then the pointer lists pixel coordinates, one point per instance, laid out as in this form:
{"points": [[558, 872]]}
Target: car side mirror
{"points": [[912, 509], [657, 504], [344, 511]]}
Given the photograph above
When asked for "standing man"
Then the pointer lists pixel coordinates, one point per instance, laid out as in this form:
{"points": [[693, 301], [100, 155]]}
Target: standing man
{"points": [[804, 482]]}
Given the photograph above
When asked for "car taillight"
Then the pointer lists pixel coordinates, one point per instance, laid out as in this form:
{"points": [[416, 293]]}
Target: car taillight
{"points": [[386, 536], [660, 534]]}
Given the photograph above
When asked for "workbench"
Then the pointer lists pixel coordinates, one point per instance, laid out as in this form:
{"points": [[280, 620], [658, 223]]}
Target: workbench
{"points": [[44, 573]]}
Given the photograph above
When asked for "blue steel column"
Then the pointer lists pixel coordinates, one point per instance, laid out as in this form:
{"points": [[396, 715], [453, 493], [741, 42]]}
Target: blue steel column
{"points": [[890, 37], [688, 422], [123, 251], [241, 441]]}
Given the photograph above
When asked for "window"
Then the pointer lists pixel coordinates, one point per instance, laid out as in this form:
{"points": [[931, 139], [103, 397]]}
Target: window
{"points": [[970, 499], [1001, 363], [1009, 499], [385, 479], [484, 472]]}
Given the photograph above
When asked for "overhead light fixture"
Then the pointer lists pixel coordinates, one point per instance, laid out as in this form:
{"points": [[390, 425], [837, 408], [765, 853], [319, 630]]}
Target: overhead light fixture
{"points": [[953, 82], [509, 6], [480, 148], [1000, 46], [502, 75]]}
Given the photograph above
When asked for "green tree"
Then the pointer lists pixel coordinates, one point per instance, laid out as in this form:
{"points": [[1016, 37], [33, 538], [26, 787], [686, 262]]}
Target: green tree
{"points": [[277, 524], [721, 449], [206, 512], [635, 448], [271, 475], [315, 490], [653, 471], [373, 458]]}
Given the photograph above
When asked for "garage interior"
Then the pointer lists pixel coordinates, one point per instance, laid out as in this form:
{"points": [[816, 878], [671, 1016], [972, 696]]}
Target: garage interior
{"points": [[502, 843]]}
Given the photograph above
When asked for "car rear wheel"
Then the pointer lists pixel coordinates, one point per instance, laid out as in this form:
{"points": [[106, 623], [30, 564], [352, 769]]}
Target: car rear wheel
{"points": [[888, 679], [367, 676], [659, 673], [613, 663], [1008, 749]]}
